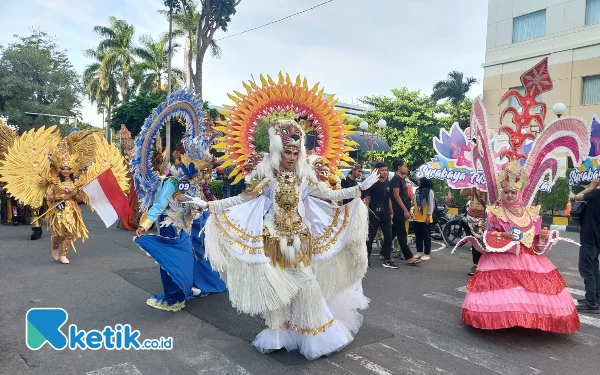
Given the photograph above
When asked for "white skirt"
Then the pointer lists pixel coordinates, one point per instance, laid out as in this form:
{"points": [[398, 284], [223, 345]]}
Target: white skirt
{"points": [[341, 322]]}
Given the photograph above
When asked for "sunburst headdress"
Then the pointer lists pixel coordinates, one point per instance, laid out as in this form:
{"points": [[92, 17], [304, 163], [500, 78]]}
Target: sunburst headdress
{"points": [[317, 113], [513, 177]]}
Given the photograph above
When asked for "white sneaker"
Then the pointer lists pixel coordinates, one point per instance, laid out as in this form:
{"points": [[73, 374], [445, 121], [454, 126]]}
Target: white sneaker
{"points": [[418, 255], [425, 257]]}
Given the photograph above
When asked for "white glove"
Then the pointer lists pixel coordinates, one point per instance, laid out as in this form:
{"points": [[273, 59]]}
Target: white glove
{"points": [[370, 181], [196, 201]]}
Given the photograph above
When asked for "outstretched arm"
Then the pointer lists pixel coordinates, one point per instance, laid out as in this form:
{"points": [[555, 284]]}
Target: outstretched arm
{"points": [[335, 195], [166, 192]]}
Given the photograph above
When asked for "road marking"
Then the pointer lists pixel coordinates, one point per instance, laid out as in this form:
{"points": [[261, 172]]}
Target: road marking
{"points": [[338, 366], [570, 274], [410, 365], [578, 292], [207, 360], [463, 351], [374, 367], [121, 369], [442, 246], [589, 320], [445, 298]]}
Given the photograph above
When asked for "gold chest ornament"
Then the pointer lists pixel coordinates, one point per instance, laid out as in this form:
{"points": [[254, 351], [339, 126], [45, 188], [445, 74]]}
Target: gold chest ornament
{"points": [[287, 220]]}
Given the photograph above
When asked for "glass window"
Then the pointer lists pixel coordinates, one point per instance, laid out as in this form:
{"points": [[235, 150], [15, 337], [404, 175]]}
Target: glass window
{"points": [[529, 26], [592, 12], [591, 90]]}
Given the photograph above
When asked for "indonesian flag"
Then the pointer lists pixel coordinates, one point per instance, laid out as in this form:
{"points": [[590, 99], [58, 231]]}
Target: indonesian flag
{"points": [[107, 198]]}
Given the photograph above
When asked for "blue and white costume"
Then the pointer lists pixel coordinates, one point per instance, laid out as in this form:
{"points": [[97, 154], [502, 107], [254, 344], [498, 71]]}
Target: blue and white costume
{"points": [[179, 247]]}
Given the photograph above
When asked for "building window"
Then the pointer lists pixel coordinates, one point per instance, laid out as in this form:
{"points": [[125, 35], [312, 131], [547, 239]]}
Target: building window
{"points": [[591, 90], [512, 101], [592, 12], [529, 26]]}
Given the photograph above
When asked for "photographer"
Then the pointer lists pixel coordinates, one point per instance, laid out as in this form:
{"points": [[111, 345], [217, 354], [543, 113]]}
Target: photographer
{"points": [[590, 248]]}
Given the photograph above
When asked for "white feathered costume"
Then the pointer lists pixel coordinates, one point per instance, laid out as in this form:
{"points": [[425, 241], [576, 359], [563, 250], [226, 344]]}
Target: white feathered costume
{"points": [[287, 254]]}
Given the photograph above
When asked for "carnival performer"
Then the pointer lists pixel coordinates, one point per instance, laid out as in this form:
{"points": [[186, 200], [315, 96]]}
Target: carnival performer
{"points": [[267, 243], [522, 287], [179, 247], [40, 165], [515, 284], [476, 220], [130, 222]]}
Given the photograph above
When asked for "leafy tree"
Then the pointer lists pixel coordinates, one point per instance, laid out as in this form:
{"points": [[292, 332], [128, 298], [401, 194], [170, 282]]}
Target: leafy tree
{"points": [[100, 83], [447, 112], [455, 88], [557, 199], [174, 6], [410, 125], [215, 14], [153, 68], [134, 113], [36, 76], [117, 50]]}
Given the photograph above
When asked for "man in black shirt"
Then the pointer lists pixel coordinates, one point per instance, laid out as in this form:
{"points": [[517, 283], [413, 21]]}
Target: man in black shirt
{"points": [[350, 181], [589, 252], [401, 206], [379, 201]]}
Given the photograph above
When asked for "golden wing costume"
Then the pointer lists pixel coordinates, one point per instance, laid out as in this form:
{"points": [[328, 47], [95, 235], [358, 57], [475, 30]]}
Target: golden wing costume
{"points": [[40, 165]]}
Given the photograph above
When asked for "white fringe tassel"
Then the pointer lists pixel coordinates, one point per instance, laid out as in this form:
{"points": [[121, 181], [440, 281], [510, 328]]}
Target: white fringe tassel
{"points": [[337, 273], [254, 288]]}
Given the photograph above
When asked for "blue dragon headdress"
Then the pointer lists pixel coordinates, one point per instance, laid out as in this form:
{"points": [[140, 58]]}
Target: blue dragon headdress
{"points": [[183, 103]]}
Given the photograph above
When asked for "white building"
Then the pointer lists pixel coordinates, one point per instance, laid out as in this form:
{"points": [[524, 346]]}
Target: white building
{"points": [[522, 32]]}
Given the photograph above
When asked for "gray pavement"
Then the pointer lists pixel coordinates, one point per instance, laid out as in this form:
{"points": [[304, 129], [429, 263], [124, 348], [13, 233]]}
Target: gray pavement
{"points": [[413, 325]]}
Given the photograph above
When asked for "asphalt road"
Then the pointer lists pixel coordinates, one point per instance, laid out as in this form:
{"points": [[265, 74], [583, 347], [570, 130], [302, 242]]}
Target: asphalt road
{"points": [[413, 325]]}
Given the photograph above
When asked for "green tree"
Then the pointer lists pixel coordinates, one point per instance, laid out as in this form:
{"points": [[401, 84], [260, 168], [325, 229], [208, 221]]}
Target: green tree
{"points": [[455, 89], [100, 84], [447, 112], [556, 200], [36, 76], [153, 66], [215, 14], [134, 113], [117, 50], [410, 125]]}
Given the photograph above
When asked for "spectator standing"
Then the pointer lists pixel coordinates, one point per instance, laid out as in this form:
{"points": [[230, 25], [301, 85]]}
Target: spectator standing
{"points": [[378, 199], [476, 218], [589, 251], [350, 181], [401, 206], [423, 206]]}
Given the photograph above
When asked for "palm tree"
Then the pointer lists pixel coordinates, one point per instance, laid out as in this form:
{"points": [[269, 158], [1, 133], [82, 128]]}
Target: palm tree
{"points": [[100, 84], [186, 25], [117, 49], [455, 89], [149, 73]]}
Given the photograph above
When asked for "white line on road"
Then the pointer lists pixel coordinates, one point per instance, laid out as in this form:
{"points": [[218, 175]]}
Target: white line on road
{"points": [[338, 366], [374, 367], [589, 320], [122, 369], [445, 298], [578, 292], [412, 365], [206, 360], [463, 351]]}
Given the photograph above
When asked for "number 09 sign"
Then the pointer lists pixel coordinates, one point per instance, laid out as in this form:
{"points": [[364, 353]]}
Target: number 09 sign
{"points": [[184, 185]]}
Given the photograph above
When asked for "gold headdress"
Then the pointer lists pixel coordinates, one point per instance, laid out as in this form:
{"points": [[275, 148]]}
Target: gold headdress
{"points": [[513, 176], [61, 157]]}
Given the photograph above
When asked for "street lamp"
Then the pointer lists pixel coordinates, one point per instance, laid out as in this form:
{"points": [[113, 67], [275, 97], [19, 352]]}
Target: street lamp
{"points": [[559, 109], [371, 138]]}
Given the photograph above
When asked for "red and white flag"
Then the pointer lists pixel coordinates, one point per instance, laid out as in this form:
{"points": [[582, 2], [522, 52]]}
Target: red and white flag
{"points": [[107, 198]]}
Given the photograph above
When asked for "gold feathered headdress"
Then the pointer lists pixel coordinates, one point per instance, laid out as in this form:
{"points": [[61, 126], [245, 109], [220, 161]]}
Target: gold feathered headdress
{"points": [[513, 177]]}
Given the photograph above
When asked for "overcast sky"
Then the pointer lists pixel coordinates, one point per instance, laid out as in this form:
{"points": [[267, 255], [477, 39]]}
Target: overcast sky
{"points": [[352, 49]]}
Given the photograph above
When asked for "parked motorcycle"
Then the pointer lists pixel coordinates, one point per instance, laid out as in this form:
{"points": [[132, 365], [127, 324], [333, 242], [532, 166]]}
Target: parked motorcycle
{"points": [[456, 229]]}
